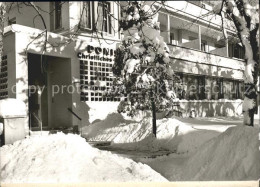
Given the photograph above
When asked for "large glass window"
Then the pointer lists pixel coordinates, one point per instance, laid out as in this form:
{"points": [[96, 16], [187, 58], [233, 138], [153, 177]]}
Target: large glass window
{"points": [[86, 17], [104, 17], [163, 26], [239, 51], [12, 21], [204, 46], [227, 89], [199, 87], [57, 14]]}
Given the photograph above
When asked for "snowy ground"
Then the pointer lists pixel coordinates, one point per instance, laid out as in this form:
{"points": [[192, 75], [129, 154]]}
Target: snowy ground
{"points": [[67, 159], [194, 149], [185, 149], [233, 155], [174, 134]]}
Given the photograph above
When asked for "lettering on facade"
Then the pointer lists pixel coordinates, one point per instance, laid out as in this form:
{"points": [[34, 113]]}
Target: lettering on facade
{"points": [[97, 53]]}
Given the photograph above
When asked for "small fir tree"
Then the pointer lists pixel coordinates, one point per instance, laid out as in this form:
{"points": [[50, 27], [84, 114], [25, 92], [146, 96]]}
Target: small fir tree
{"points": [[142, 69]]}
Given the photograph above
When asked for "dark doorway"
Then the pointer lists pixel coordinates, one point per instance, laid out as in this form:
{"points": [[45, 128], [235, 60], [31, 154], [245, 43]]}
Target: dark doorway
{"points": [[37, 93], [49, 100]]}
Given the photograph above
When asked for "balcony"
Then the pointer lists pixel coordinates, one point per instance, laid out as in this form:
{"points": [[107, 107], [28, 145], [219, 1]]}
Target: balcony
{"points": [[198, 14], [185, 33], [197, 62], [190, 26]]}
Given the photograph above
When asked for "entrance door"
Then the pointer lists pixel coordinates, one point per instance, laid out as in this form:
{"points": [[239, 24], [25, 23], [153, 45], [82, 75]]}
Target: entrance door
{"points": [[60, 97], [49, 99]]}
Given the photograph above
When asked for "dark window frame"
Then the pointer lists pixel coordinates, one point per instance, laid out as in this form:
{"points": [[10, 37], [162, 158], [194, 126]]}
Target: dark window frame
{"points": [[57, 15], [87, 16], [106, 8]]}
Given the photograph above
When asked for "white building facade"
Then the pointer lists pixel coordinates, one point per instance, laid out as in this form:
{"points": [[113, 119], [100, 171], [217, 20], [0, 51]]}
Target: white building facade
{"points": [[63, 86]]}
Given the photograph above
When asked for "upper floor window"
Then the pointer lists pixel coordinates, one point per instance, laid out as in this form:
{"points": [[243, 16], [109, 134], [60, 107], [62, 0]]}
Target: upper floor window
{"points": [[172, 38], [86, 15], [12, 21], [56, 14], [239, 52], [97, 16], [203, 46], [103, 21]]}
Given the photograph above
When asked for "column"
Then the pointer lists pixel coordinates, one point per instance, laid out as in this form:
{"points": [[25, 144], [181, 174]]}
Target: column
{"points": [[199, 36], [226, 44], [168, 29]]}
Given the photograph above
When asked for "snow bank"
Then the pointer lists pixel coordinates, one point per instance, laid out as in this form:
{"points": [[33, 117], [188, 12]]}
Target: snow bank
{"points": [[172, 134], [67, 158], [233, 155], [95, 108], [98, 131]]}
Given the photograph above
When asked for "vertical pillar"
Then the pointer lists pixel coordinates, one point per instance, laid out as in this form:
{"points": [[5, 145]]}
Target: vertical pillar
{"points": [[199, 36], [226, 43], [168, 29]]}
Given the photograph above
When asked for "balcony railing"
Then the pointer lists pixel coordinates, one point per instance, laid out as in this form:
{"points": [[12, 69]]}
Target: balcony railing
{"points": [[198, 56]]}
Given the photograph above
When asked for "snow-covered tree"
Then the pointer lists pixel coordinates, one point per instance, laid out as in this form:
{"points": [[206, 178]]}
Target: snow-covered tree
{"points": [[245, 15], [142, 62]]}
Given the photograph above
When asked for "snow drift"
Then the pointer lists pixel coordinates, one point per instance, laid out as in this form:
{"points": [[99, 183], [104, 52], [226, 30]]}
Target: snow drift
{"points": [[172, 134], [233, 155], [67, 158]]}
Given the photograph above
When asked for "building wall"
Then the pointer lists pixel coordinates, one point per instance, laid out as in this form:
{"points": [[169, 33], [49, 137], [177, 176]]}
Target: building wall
{"points": [[24, 15], [9, 50], [88, 110], [183, 60]]}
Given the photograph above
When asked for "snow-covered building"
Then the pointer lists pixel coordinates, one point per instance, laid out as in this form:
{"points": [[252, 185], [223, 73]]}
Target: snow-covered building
{"points": [[63, 85]]}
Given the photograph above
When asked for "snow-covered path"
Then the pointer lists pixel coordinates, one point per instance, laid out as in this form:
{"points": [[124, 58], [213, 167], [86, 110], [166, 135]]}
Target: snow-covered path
{"points": [[132, 154]]}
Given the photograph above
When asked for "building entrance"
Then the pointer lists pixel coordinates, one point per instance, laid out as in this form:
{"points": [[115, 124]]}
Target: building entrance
{"points": [[48, 100]]}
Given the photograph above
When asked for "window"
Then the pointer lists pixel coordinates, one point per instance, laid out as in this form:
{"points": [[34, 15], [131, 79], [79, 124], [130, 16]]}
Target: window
{"points": [[199, 87], [12, 21], [56, 15], [163, 26], [104, 17], [227, 89], [86, 17], [239, 51], [220, 88], [191, 87], [3, 78], [172, 39], [203, 46], [208, 88], [96, 78]]}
